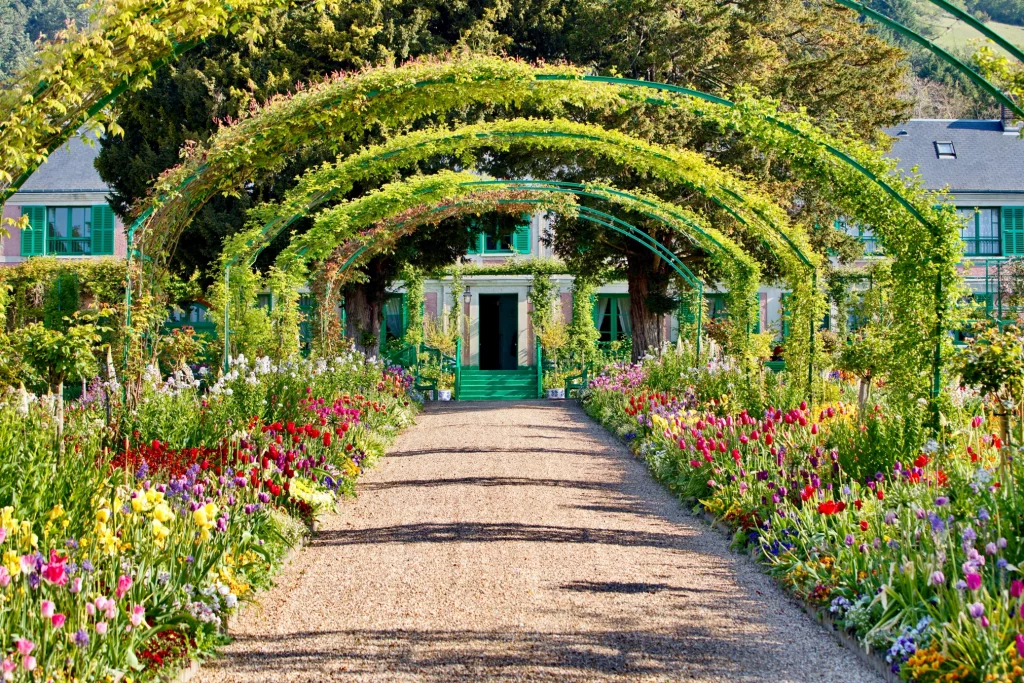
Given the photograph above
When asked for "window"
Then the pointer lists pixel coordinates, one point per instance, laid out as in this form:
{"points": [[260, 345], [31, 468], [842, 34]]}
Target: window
{"points": [[611, 317], [863, 233], [265, 301], [498, 245], [68, 231], [516, 242], [945, 150], [980, 232]]}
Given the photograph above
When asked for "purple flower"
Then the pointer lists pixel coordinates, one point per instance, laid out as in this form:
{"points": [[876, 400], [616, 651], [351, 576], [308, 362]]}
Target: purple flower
{"points": [[976, 610], [990, 548], [81, 638], [940, 501], [849, 540], [938, 578]]}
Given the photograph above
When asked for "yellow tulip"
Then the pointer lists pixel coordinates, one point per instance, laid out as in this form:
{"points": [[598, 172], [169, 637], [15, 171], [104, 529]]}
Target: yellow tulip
{"points": [[163, 513], [103, 515], [200, 518]]}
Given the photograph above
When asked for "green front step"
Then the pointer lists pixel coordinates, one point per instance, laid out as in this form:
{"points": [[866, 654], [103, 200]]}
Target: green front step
{"points": [[498, 385]]}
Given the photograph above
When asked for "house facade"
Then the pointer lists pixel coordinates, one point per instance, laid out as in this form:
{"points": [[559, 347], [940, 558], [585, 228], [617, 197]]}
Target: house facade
{"points": [[981, 166], [66, 204]]}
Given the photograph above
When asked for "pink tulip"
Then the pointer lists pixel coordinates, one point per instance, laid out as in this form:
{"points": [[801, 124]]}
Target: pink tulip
{"points": [[101, 627], [76, 585], [54, 571], [8, 667], [90, 609], [1020, 644], [138, 615], [5, 576], [1017, 588], [24, 646], [47, 609], [58, 620], [974, 581], [29, 663], [3, 534], [123, 584]]}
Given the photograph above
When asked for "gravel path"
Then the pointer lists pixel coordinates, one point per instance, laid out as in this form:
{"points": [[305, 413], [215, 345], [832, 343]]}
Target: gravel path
{"points": [[519, 541]]}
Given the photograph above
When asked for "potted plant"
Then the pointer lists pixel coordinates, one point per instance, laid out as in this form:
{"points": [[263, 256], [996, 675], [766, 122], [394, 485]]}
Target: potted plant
{"points": [[554, 384], [445, 384]]}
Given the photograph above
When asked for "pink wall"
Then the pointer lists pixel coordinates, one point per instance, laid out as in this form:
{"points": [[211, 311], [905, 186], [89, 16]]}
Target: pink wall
{"points": [[11, 246], [566, 298], [430, 304]]}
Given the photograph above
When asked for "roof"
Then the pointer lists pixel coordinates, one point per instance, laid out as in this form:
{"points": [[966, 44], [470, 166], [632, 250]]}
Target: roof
{"points": [[987, 159], [69, 169]]}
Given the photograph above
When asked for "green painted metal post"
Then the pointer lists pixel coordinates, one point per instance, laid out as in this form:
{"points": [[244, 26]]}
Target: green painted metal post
{"points": [[458, 367], [937, 360], [700, 315], [810, 360], [540, 371], [227, 316]]}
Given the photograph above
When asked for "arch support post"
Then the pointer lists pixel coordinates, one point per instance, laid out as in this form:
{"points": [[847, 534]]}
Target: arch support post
{"points": [[227, 317], [810, 359]]}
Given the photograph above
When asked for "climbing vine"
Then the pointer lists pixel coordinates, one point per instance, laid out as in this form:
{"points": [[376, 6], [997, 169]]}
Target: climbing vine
{"points": [[413, 279], [344, 223], [75, 76]]}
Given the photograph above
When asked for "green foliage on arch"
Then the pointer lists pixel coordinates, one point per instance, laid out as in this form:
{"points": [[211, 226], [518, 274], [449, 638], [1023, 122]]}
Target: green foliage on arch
{"points": [[74, 78], [391, 99], [370, 221]]}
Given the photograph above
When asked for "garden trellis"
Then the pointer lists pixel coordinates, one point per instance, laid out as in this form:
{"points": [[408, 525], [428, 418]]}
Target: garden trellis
{"points": [[908, 225], [376, 230]]}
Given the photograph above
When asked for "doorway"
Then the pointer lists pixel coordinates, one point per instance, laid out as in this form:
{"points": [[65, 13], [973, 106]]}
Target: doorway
{"points": [[499, 332]]}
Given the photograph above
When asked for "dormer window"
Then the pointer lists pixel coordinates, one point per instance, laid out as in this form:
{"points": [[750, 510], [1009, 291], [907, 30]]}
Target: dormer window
{"points": [[945, 150]]}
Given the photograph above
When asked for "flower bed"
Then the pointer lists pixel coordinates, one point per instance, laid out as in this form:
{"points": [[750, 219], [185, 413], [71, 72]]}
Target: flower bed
{"points": [[913, 545], [124, 555]]}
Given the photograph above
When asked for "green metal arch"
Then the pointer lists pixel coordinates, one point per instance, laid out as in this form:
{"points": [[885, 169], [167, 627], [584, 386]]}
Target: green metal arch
{"points": [[1013, 50], [971, 74], [273, 228], [611, 222]]}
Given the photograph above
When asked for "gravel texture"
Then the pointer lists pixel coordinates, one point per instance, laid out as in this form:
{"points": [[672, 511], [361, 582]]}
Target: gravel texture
{"points": [[520, 541]]}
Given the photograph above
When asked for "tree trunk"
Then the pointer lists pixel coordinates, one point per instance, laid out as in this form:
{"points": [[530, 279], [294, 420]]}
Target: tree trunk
{"points": [[364, 310], [644, 280]]}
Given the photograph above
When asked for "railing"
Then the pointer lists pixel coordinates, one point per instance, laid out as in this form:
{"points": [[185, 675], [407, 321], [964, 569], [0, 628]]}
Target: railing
{"points": [[540, 371], [458, 368]]}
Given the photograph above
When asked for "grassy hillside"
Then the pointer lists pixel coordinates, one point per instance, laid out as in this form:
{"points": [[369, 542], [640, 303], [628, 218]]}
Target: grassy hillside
{"points": [[955, 35]]}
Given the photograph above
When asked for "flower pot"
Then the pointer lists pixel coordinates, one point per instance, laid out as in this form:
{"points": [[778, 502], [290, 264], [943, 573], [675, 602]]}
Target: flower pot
{"points": [[428, 395], [444, 394], [556, 393]]}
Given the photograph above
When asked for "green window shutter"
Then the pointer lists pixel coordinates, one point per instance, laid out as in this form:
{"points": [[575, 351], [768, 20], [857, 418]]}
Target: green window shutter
{"points": [[33, 240], [1013, 230], [102, 230], [476, 246], [521, 239]]}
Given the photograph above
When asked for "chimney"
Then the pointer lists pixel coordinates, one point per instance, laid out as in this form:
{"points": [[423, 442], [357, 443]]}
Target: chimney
{"points": [[1010, 126]]}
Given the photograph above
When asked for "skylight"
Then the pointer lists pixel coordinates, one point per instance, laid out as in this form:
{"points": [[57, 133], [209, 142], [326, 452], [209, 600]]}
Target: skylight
{"points": [[945, 150]]}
